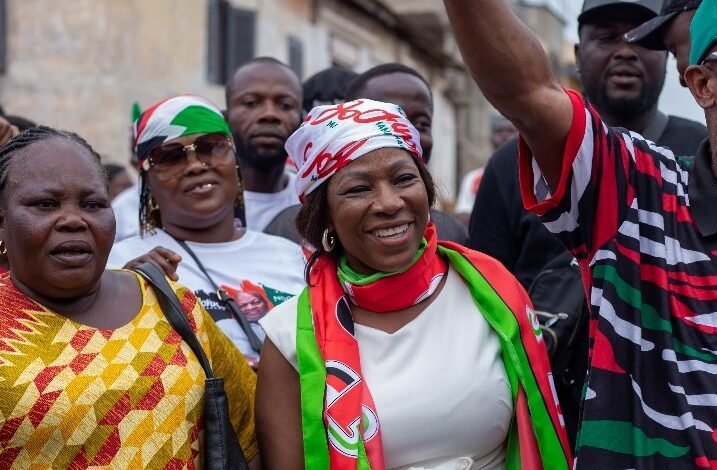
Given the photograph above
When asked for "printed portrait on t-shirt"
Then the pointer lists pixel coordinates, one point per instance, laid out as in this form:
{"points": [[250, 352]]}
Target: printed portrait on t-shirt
{"points": [[253, 299]]}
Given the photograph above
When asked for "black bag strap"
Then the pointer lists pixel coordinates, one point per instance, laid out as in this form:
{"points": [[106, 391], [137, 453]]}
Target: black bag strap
{"points": [[174, 313], [226, 299]]}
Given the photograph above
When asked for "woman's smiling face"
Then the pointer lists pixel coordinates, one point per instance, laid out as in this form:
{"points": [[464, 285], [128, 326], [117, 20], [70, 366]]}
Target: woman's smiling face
{"points": [[378, 207]]}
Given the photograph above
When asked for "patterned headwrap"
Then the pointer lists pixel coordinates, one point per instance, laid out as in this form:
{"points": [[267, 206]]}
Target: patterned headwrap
{"points": [[333, 136], [176, 117]]}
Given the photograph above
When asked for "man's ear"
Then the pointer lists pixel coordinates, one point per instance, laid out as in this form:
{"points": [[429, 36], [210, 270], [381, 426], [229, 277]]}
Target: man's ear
{"points": [[702, 83]]}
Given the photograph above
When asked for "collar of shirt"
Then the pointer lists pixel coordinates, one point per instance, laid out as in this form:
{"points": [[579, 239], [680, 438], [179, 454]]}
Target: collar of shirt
{"points": [[702, 190]]}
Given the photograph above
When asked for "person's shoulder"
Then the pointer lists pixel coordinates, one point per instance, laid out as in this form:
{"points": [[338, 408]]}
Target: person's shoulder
{"points": [[129, 196], [448, 227], [680, 123], [130, 248], [505, 157], [280, 327], [277, 242], [282, 317]]}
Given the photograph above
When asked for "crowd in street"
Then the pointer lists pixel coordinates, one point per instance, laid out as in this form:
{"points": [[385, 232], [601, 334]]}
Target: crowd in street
{"points": [[282, 287]]}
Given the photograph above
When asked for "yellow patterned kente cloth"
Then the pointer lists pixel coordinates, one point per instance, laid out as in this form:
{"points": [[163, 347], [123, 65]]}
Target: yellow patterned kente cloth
{"points": [[76, 397]]}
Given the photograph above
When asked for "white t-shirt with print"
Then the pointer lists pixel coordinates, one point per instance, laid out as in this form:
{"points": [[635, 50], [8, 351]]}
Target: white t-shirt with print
{"points": [[271, 268], [261, 208]]}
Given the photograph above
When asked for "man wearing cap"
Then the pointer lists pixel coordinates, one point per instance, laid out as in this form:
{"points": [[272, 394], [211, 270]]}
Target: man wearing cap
{"points": [[668, 31], [642, 224]]}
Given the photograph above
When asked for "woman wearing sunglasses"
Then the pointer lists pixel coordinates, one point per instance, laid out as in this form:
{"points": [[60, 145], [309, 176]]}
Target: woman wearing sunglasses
{"points": [[403, 351], [190, 194]]}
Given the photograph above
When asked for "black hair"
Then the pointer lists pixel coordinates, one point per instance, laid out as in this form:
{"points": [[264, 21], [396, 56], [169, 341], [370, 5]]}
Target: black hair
{"points": [[358, 86], [312, 219], [38, 134], [328, 86], [20, 122]]}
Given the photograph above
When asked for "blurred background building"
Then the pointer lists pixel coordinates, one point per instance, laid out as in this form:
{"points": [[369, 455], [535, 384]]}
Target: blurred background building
{"points": [[81, 64]]}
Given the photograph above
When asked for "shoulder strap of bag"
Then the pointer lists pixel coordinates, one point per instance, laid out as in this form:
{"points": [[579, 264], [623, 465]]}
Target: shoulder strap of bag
{"points": [[174, 313], [224, 297]]}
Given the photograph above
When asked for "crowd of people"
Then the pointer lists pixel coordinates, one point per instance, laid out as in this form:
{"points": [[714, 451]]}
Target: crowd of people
{"points": [[561, 317]]}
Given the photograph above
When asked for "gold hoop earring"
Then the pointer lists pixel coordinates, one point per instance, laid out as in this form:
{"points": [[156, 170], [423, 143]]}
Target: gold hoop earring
{"points": [[3, 248], [328, 241], [153, 206]]}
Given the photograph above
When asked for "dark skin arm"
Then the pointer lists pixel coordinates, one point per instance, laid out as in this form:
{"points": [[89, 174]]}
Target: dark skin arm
{"points": [[278, 412], [510, 67], [165, 259]]}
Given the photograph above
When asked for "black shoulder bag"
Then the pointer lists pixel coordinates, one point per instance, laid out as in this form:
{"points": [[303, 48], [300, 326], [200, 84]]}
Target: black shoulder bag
{"points": [[221, 447], [226, 299]]}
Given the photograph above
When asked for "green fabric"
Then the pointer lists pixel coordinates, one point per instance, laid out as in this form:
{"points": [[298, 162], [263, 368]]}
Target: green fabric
{"points": [[703, 31], [136, 111], [624, 438], [312, 373], [348, 275], [312, 377], [515, 361], [200, 120]]}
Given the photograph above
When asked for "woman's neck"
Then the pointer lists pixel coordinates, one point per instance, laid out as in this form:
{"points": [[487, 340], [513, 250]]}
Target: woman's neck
{"points": [[223, 231], [105, 305], [70, 306]]}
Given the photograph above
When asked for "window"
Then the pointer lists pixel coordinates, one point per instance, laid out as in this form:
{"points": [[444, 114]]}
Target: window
{"points": [[230, 39], [296, 56]]}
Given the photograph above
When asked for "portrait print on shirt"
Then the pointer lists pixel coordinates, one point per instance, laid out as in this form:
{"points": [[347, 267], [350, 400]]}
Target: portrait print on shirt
{"points": [[253, 299]]}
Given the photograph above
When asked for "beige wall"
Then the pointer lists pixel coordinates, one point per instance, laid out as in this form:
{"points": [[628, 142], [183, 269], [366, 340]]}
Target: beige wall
{"points": [[80, 64]]}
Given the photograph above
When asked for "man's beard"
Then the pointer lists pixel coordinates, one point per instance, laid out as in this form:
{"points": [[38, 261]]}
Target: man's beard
{"points": [[264, 162], [626, 108]]}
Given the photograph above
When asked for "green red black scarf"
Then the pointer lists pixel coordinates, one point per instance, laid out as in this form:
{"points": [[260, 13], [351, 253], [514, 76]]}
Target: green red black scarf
{"points": [[340, 425]]}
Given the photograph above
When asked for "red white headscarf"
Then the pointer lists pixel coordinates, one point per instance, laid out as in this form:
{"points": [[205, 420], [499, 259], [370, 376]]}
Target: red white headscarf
{"points": [[333, 136]]}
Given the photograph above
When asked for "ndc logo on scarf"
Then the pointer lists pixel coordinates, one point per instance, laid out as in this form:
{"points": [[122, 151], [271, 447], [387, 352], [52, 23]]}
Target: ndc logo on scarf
{"points": [[534, 323]]}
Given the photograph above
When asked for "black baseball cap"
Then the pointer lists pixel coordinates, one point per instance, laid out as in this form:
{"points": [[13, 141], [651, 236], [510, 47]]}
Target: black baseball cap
{"points": [[649, 34], [591, 7]]}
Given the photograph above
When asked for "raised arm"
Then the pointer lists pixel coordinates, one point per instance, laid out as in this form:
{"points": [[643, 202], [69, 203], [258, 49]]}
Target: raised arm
{"points": [[510, 66]]}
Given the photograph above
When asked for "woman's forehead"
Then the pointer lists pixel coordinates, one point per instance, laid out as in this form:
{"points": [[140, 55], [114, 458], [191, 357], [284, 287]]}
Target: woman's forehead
{"points": [[56, 161]]}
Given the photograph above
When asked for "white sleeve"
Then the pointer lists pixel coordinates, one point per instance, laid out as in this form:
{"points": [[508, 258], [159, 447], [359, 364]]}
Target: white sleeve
{"points": [[280, 327]]}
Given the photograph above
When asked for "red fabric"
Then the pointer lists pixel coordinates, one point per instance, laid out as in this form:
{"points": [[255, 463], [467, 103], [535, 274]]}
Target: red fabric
{"points": [[347, 394], [401, 291]]}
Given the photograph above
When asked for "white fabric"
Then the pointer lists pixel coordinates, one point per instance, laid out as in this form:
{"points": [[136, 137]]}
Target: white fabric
{"points": [[126, 209], [273, 263], [439, 384], [466, 194], [261, 208], [333, 136]]}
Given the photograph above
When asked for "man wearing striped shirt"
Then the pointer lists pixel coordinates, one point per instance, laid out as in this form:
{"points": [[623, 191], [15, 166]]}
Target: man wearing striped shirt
{"points": [[643, 225]]}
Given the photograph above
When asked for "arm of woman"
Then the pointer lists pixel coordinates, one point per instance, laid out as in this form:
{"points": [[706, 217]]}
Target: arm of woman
{"points": [[510, 66], [163, 258], [278, 412]]}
